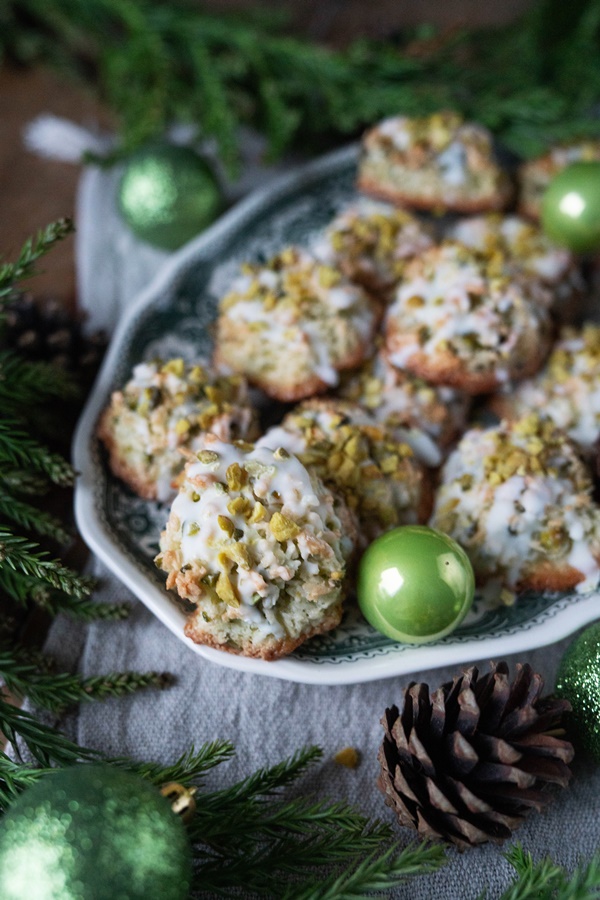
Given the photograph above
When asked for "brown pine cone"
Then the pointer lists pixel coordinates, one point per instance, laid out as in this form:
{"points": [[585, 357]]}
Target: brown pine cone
{"points": [[468, 763]]}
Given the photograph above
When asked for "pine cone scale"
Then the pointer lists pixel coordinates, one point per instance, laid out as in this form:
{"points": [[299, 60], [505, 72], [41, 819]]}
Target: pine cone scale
{"points": [[462, 754], [547, 745], [496, 773], [469, 761], [498, 750]]}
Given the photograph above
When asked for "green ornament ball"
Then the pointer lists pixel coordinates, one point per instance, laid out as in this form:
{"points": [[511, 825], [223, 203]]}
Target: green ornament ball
{"points": [[578, 681], [571, 207], [415, 584], [168, 194], [93, 831]]}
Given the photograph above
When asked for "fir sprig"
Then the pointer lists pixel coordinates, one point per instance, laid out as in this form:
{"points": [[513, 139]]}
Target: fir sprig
{"points": [[544, 880], [32, 251], [24, 383], [24, 556], [378, 872], [18, 448], [32, 519], [166, 62], [24, 589], [24, 674]]}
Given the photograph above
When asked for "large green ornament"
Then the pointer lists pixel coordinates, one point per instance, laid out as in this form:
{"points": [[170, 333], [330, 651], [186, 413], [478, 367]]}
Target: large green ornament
{"points": [[578, 681], [93, 831], [415, 584], [571, 207], [168, 194]]}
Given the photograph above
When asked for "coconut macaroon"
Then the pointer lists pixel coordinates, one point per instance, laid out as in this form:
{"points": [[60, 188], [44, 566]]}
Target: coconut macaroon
{"points": [[254, 542], [535, 175], [426, 416], [461, 319], [163, 409], [523, 244], [518, 499], [567, 388], [378, 477], [371, 243], [438, 162], [292, 324]]}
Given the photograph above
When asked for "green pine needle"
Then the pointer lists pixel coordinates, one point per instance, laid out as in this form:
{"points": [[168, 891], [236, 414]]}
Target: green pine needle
{"points": [[24, 383], [28, 588], [33, 519], [32, 251], [378, 872], [17, 448], [188, 769], [544, 880], [23, 556], [55, 691], [171, 61]]}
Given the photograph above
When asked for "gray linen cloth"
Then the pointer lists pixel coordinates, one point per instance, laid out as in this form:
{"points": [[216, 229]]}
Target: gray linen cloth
{"points": [[268, 719], [265, 718]]}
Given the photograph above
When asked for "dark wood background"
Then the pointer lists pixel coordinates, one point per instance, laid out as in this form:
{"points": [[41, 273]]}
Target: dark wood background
{"points": [[36, 191]]}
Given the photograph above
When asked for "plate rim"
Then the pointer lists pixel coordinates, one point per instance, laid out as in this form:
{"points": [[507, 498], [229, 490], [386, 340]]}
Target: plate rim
{"points": [[553, 627]]}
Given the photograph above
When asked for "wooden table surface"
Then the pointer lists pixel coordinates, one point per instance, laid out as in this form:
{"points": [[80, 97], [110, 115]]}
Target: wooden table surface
{"points": [[36, 191]]}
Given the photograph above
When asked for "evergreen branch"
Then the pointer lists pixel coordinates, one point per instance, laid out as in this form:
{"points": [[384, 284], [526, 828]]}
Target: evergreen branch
{"points": [[544, 880], [33, 519], [46, 745], [21, 481], [584, 883], [23, 588], [56, 691], [14, 778], [289, 867], [169, 62], [33, 249], [379, 872], [186, 770], [261, 784], [17, 448], [298, 816], [16, 552], [24, 383]]}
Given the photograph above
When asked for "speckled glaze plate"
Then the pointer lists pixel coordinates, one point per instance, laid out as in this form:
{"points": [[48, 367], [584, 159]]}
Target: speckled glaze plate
{"points": [[173, 316]]}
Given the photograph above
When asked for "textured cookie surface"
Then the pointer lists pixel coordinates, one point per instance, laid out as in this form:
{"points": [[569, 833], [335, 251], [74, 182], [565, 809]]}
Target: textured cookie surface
{"points": [[164, 408], [518, 499], [463, 320], [292, 325], [438, 162], [254, 542]]}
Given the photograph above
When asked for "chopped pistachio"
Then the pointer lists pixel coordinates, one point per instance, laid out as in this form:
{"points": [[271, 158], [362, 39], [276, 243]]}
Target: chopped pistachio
{"points": [[282, 527], [225, 590], [236, 476], [226, 525], [348, 757], [207, 456]]}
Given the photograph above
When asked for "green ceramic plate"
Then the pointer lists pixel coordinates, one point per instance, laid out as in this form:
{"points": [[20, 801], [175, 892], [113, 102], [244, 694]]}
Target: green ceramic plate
{"points": [[174, 317]]}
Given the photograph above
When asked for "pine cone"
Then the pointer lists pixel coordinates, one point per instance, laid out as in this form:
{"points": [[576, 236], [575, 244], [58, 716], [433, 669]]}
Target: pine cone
{"points": [[43, 331], [468, 763]]}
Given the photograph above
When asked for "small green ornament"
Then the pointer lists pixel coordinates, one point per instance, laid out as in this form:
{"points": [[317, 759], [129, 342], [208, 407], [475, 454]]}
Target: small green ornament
{"points": [[415, 584], [168, 194], [578, 681], [571, 207], [93, 831]]}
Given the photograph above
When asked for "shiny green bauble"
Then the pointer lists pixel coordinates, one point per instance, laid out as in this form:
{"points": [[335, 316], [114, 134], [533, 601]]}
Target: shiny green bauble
{"points": [[168, 194], [93, 831], [415, 584], [578, 681], [571, 207]]}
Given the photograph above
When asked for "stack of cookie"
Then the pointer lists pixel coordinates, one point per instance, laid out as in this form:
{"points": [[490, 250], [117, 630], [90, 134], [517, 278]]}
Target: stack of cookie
{"points": [[421, 301]]}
